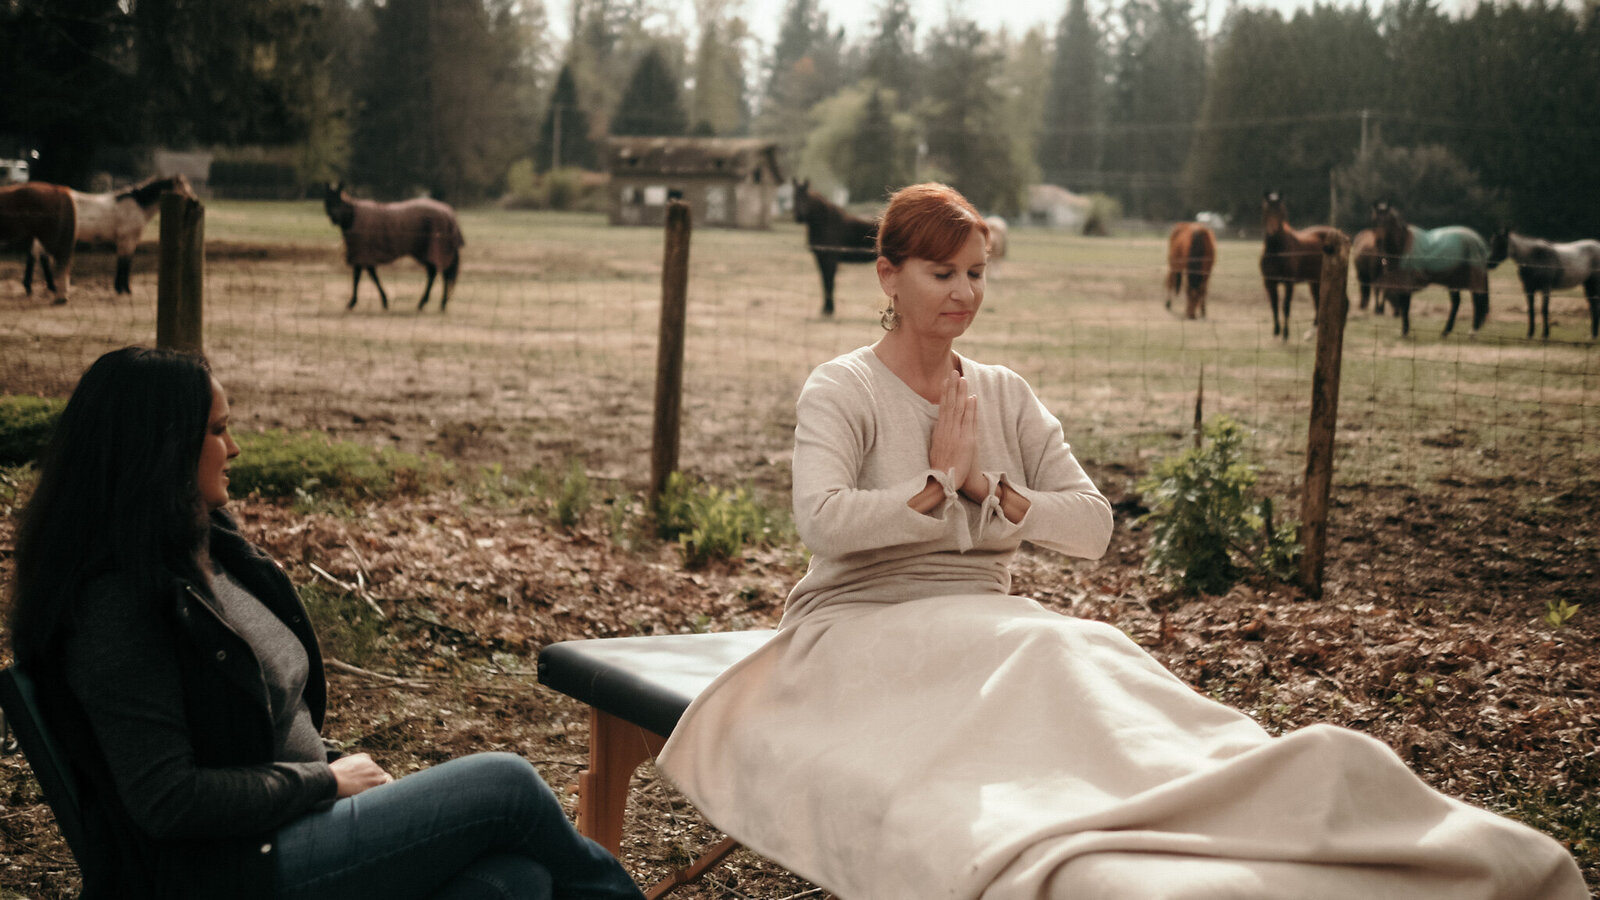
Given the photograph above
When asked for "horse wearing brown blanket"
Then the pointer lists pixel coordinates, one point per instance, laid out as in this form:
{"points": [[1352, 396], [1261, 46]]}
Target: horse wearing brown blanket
{"points": [[377, 233]]}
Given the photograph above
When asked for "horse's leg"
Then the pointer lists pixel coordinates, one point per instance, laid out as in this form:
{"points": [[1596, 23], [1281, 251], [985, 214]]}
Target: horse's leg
{"points": [[1272, 300], [1480, 310], [355, 282], [1174, 283], [1455, 304], [1366, 294], [1401, 301], [383, 298], [829, 266], [1544, 310], [449, 282], [1316, 302], [124, 269], [428, 288], [27, 272], [1591, 290], [1288, 299]]}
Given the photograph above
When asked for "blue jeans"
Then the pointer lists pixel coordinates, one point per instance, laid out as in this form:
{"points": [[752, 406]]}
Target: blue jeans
{"points": [[482, 826]]}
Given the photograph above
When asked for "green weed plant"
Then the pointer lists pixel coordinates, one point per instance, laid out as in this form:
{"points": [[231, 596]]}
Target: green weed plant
{"points": [[309, 465], [710, 523], [1207, 528]]}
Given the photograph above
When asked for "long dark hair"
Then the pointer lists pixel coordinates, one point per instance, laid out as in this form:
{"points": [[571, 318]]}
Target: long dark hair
{"points": [[117, 491]]}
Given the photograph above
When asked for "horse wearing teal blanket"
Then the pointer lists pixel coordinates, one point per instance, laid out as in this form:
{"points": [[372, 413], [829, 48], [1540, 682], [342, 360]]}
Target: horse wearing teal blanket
{"points": [[1411, 258]]}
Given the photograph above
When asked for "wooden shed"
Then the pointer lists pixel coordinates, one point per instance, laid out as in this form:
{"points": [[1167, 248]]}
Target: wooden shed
{"points": [[728, 182]]}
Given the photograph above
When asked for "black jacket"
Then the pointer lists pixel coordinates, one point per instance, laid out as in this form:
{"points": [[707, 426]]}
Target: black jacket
{"points": [[163, 710]]}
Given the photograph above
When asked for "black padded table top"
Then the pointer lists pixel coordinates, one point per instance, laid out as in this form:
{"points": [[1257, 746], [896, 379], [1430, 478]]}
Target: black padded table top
{"points": [[648, 681]]}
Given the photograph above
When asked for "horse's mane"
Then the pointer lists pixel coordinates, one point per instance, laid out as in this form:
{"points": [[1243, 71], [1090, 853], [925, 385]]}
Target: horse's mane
{"points": [[150, 190]]}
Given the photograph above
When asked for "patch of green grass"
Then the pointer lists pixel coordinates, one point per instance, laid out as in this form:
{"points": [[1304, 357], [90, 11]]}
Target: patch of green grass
{"points": [[710, 523], [26, 424], [308, 464]]}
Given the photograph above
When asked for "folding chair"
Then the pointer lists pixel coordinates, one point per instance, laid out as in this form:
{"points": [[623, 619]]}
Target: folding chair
{"points": [[636, 689], [54, 773]]}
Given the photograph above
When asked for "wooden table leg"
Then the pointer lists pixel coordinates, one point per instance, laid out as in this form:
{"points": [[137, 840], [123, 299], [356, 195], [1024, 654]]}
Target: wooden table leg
{"points": [[616, 748]]}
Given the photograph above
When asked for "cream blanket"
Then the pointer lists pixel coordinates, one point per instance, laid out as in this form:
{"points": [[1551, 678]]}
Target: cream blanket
{"points": [[980, 746]]}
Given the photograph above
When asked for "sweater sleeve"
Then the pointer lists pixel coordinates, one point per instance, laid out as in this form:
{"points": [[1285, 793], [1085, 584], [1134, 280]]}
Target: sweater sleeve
{"points": [[1066, 512], [833, 514], [122, 667]]}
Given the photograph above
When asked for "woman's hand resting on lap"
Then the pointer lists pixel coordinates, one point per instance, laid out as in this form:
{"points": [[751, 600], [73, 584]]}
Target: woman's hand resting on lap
{"points": [[357, 772]]}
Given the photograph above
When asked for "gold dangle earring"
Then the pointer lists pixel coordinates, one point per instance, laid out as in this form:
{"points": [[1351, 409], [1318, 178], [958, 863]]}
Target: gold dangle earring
{"points": [[889, 317]]}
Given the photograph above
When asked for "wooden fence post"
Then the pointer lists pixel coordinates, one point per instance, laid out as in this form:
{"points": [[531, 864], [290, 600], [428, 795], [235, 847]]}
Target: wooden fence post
{"points": [[180, 293], [1331, 313], [669, 353]]}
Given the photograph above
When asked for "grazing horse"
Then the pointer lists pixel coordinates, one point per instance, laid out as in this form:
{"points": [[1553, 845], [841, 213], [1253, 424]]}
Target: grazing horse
{"points": [[377, 233], [1289, 256], [36, 211], [834, 236], [117, 218], [1544, 267], [1191, 251], [1411, 258]]}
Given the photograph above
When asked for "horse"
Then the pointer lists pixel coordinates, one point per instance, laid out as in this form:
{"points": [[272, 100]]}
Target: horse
{"points": [[117, 218], [36, 211], [1191, 251], [1289, 256], [1454, 256], [833, 235], [999, 237], [1543, 267], [1365, 258], [377, 233]]}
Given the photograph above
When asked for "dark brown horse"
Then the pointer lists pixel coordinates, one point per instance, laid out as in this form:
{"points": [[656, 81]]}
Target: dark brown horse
{"points": [[1289, 256], [834, 236], [36, 211], [1191, 253], [377, 233], [1411, 258]]}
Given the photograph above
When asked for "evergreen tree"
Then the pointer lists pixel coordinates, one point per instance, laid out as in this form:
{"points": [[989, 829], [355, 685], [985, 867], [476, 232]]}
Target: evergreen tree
{"points": [[1156, 94], [807, 65], [891, 52], [718, 103], [564, 136], [1069, 140], [449, 115], [969, 141], [651, 104], [879, 161]]}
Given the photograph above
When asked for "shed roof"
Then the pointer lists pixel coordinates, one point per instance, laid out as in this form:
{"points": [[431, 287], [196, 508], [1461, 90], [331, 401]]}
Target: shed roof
{"points": [[684, 156]]}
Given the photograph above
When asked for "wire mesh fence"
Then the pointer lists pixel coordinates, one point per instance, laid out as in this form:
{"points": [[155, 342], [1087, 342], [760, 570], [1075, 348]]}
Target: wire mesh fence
{"points": [[547, 351]]}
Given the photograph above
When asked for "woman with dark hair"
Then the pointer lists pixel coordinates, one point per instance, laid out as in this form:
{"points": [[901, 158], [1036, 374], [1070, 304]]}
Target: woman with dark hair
{"points": [[913, 730], [176, 665]]}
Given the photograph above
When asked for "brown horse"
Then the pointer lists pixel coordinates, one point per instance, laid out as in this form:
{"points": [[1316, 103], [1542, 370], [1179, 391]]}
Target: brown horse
{"points": [[1411, 258], [833, 235], [1289, 256], [36, 211], [1364, 252], [1192, 252], [117, 218], [377, 233]]}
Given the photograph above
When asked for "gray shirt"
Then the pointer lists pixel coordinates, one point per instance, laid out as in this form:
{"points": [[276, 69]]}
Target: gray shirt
{"points": [[284, 667]]}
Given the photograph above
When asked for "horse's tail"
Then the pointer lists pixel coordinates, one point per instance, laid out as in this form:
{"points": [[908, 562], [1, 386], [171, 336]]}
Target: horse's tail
{"points": [[1202, 255]]}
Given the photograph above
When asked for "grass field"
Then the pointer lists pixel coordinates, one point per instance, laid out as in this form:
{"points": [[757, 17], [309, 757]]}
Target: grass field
{"points": [[548, 349]]}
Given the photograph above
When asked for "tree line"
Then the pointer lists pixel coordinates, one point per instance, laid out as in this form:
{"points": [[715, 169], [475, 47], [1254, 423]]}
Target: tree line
{"points": [[1482, 118]]}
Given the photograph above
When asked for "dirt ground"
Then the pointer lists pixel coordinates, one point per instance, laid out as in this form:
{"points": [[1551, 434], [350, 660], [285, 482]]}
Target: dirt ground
{"points": [[1437, 658], [1429, 635]]}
